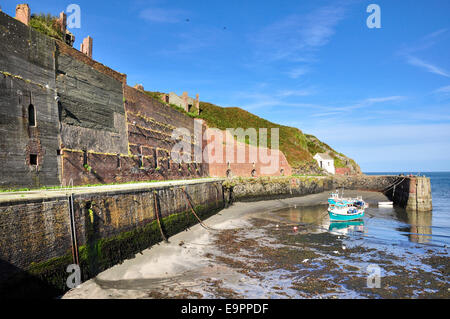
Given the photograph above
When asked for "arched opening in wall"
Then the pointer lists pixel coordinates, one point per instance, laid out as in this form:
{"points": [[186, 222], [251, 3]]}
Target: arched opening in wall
{"points": [[31, 116], [85, 158], [155, 158], [119, 164], [254, 173], [189, 108], [141, 157], [19, 98], [282, 172], [229, 173]]}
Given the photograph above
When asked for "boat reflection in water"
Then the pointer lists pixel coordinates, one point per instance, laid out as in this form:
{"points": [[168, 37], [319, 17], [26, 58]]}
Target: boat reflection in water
{"points": [[343, 228]]}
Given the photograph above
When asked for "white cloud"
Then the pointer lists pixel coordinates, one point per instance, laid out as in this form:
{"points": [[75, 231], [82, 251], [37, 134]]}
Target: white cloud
{"points": [[160, 15], [296, 36], [427, 66], [424, 43], [410, 52], [302, 92], [366, 103], [297, 72], [445, 90]]}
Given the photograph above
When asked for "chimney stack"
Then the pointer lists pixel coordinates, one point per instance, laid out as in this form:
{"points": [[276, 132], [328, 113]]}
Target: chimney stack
{"points": [[197, 104], [62, 21], [23, 13], [185, 101], [86, 46]]}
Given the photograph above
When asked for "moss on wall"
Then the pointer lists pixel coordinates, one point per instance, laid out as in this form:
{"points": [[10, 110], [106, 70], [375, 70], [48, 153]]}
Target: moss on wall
{"points": [[48, 279]]}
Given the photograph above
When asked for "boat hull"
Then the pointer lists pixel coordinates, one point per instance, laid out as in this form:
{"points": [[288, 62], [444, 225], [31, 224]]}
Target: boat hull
{"points": [[345, 217]]}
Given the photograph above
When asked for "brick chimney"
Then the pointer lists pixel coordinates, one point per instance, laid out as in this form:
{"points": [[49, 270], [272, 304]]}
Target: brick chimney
{"points": [[62, 21], [86, 46], [23, 13], [185, 101], [197, 104]]}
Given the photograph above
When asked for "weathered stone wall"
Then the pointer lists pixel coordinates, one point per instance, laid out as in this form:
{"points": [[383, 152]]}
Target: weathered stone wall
{"points": [[264, 188], [80, 108], [27, 77], [35, 236], [33, 231], [150, 127], [91, 104], [91, 127]]}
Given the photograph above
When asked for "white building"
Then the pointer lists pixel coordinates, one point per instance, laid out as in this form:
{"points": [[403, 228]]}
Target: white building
{"points": [[325, 162]]}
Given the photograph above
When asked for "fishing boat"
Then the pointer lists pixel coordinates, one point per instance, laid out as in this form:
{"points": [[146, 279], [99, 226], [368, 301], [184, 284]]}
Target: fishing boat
{"points": [[345, 209]]}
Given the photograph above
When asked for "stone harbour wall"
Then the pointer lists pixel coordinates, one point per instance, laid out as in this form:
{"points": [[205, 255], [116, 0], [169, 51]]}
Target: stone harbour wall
{"points": [[111, 226], [412, 193]]}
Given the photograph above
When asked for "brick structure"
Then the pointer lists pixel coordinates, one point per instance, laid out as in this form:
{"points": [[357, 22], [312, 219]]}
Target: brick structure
{"points": [[343, 171], [197, 103], [62, 22], [87, 126], [86, 46], [250, 165], [184, 101], [23, 13]]}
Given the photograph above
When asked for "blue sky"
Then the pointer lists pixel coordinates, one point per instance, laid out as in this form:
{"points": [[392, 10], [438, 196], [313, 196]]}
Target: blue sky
{"points": [[380, 96]]}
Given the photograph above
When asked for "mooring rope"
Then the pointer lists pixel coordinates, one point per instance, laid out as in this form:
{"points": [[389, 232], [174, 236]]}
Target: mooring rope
{"points": [[193, 211], [394, 185], [155, 194]]}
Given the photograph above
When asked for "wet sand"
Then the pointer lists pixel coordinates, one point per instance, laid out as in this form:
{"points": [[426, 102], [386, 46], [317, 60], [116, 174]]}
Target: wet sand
{"points": [[277, 249]]}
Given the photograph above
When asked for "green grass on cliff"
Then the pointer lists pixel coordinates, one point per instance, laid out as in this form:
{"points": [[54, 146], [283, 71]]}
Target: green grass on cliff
{"points": [[340, 160], [293, 142], [46, 24], [298, 148]]}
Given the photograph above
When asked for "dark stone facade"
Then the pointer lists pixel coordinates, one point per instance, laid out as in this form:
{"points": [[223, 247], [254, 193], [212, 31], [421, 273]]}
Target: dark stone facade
{"points": [[27, 78], [90, 126]]}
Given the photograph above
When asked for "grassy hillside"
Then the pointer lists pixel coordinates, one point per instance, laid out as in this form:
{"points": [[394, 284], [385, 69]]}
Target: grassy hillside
{"points": [[293, 142], [340, 160], [298, 148]]}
